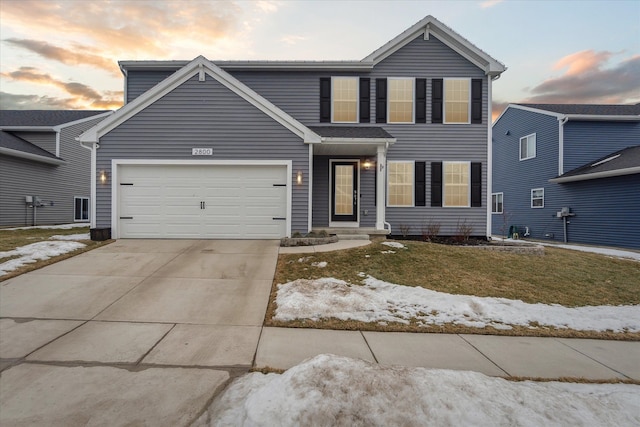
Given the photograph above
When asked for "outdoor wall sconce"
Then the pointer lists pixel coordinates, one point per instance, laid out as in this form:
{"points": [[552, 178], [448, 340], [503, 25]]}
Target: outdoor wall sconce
{"points": [[103, 177], [367, 164], [299, 177]]}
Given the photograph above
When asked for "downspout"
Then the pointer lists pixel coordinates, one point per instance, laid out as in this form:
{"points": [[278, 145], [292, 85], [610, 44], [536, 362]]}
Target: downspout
{"points": [[561, 122], [490, 154], [93, 148]]}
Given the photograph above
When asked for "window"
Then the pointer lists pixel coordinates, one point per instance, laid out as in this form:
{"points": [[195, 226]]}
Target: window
{"points": [[345, 99], [456, 184], [81, 209], [528, 147], [400, 183], [537, 198], [456, 100], [496, 203], [400, 92]]}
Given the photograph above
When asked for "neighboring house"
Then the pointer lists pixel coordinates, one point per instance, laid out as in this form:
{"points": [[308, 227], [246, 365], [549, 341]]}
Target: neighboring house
{"points": [[264, 149], [40, 157], [584, 158]]}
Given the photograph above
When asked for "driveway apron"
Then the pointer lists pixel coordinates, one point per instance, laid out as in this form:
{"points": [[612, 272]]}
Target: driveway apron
{"points": [[129, 325]]}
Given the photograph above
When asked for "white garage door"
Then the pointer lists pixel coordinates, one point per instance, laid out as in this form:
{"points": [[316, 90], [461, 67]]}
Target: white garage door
{"points": [[212, 201]]}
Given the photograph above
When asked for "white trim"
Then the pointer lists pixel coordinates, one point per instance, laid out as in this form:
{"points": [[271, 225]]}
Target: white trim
{"points": [[597, 175], [561, 123], [535, 146], [86, 119], [344, 223], [115, 163], [502, 199], [444, 184], [537, 189], [413, 104], [310, 195], [489, 156], [340, 66], [413, 184], [181, 76], [444, 101], [381, 162], [357, 79], [93, 180], [30, 156]]}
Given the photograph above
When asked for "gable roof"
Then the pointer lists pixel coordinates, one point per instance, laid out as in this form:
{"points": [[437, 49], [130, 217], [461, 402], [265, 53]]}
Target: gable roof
{"points": [[199, 66], [43, 118], [426, 26], [587, 112], [430, 25], [352, 132], [623, 162], [12, 145]]}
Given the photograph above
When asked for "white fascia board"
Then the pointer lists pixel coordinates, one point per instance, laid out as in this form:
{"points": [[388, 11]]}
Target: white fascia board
{"points": [[596, 175], [86, 119], [430, 25], [335, 140], [603, 118], [179, 77], [30, 156], [29, 128]]}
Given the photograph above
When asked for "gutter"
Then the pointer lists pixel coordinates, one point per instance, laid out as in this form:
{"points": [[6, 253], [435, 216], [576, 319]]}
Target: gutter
{"points": [[29, 156], [605, 174]]}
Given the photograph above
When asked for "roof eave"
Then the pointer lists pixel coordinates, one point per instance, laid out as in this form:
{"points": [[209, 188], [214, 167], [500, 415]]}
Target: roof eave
{"points": [[31, 156], [337, 140], [596, 175], [602, 117]]}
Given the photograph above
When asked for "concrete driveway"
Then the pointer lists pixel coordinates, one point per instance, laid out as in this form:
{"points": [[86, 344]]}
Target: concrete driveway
{"points": [[136, 332]]}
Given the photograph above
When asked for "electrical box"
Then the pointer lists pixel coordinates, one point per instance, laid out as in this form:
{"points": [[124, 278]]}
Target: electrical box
{"points": [[28, 199]]}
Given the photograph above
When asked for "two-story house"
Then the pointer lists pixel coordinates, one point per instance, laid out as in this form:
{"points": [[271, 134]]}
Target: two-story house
{"points": [[264, 149], [44, 172], [568, 173]]}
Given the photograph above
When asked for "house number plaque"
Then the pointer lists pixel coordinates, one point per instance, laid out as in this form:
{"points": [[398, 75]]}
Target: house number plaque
{"points": [[202, 151]]}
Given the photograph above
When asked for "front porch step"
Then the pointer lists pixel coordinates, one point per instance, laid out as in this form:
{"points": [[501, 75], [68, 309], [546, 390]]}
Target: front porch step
{"points": [[370, 231], [352, 236]]}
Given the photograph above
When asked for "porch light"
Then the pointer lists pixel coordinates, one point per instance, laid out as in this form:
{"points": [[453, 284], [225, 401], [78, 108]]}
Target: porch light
{"points": [[299, 177], [103, 177], [367, 164]]}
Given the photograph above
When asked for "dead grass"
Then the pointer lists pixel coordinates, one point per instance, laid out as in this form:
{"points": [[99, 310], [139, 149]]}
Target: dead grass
{"points": [[560, 276], [11, 239]]}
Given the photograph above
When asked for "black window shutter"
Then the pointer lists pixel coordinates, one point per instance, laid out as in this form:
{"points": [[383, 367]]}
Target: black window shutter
{"points": [[325, 100], [381, 100], [476, 185], [436, 183], [421, 100], [365, 100], [436, 100], [476, 101], [420, 184]]}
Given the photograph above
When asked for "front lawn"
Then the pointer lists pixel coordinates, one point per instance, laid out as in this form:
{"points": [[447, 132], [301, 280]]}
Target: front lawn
{"points": [[564, 277], [16, 244]]}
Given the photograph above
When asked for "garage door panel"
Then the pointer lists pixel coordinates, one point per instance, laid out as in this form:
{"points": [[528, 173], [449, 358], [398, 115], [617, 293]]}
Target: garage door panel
{"points": [[239, 201]]}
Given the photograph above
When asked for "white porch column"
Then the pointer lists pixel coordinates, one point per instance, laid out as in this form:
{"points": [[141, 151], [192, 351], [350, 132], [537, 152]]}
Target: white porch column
{"points": [[381, 198]]}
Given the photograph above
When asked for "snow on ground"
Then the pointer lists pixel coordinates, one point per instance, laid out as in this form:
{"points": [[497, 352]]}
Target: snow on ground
{"points": [[616, 253], [382, 302], [396, 245], [35, 252], [331, 390], [321, 264], [82, 236], [61, 226]]}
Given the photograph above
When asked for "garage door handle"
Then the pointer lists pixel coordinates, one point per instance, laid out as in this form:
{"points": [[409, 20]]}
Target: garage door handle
{"points": [[126, 217], [279, 219], [202, 205]]}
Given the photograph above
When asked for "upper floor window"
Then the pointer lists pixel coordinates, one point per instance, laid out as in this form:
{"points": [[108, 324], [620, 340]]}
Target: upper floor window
{"points": [[537, 198], [401, 97], [456, 184], [497, 203], [400, 180], [456, 100], [528, 147], [344, 95]]}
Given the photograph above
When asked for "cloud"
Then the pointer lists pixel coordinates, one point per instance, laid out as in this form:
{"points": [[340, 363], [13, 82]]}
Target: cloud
{"points": [[83, 96], [490, 3], [10, 101], [587, 81], [139, 28], [81, 55], [292, 39]]}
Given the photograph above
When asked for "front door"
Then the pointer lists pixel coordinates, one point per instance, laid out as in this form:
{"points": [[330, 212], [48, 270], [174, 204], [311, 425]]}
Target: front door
{"points": [[344, 191]]}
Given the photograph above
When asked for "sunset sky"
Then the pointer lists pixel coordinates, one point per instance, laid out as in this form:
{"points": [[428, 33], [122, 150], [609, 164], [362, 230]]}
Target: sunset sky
{"points": [[63, 54]]}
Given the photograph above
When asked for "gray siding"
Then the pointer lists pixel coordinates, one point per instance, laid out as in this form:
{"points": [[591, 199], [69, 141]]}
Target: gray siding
{"points": [[607, 210], [52, 183], [44, 140], [138, 82], [203, 114]]}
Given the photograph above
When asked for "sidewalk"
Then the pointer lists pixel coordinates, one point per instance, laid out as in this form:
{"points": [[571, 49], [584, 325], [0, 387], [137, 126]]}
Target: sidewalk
{"points": [[502, 356]]}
